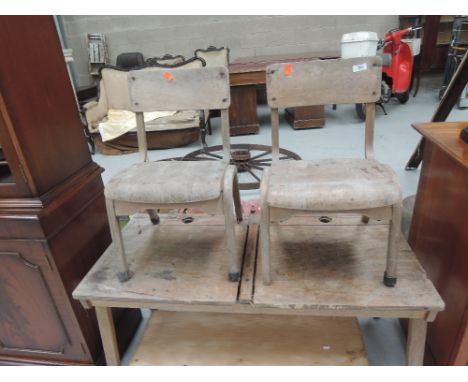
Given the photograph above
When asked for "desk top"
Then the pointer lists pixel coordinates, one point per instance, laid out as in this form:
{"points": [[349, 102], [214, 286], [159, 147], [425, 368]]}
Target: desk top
{"points": [[259, 63], [446, 135], [332, 269]]}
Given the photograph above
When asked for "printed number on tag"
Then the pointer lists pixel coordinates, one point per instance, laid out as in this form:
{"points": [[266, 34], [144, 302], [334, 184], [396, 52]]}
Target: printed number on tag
{"points": [[359, 67]]}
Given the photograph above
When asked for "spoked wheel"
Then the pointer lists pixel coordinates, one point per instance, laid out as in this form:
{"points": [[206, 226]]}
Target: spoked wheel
{"points": [[250, 160]]}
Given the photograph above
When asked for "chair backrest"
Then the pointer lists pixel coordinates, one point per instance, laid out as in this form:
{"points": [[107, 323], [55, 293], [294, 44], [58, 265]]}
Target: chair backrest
{"points": [[180, 89], [324, 82], [214, 56]]}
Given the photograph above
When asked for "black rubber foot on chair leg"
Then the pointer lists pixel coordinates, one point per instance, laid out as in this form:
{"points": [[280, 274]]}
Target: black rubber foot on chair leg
{"points": [[234, 276], [389, 281], [155, 220], [124, 276]]}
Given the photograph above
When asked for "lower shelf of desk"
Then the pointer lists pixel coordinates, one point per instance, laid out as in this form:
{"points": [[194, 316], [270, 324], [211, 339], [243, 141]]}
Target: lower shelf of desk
{"points": [[208, 339]]}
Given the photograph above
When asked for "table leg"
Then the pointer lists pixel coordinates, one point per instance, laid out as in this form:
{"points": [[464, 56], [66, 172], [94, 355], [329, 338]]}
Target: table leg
{"points": [[243, 110], [108, 337], [416, 342]]}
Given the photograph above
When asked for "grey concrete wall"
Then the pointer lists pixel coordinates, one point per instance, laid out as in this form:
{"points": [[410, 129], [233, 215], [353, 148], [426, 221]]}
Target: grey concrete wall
{"points": [[244, 35]]}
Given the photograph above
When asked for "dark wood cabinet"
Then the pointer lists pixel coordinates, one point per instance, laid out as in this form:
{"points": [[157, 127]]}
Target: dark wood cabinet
{"points": [[53, 222], [438, 236]]}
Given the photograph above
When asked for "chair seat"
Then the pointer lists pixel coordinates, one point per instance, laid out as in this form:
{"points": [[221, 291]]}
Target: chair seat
{"points": [[168, 182], [332, 185]]}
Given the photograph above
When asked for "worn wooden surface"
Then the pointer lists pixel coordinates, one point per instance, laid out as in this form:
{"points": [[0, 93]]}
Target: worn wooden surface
{"points": [[319, 269], [177, 89], [174, 338], [338, 266], [317, 82], [181, 263]]}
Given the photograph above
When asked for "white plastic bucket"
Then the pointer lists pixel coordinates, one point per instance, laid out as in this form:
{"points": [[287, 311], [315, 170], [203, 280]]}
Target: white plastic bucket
{"points": [[359, 44]]}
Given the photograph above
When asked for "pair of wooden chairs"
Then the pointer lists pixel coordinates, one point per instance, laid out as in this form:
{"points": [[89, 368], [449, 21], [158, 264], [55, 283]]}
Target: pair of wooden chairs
{"points": [[362, 186]]}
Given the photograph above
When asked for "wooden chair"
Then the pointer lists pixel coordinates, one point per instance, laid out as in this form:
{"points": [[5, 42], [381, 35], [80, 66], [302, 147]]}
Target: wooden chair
{"points": [[152, 185], [362, 186]]}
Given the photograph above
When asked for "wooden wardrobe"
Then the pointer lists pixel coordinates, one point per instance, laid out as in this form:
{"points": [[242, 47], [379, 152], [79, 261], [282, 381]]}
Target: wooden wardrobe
{"points": [[53, 223]]}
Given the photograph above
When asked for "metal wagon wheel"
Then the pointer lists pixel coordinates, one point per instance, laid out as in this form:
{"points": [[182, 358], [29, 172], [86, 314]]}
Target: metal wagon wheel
{"points": [[249, 159]]}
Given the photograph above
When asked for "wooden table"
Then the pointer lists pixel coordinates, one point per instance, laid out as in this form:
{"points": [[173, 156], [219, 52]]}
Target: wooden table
{"points": [[439, 236], [248, 72], [320, 270]]}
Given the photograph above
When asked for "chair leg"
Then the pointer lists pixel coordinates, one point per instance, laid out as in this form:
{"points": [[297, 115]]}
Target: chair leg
{"points": [[230, 223], [116, 234], [154, 217], [265, 229], [265, 243], [237, 199], [390, 275]]}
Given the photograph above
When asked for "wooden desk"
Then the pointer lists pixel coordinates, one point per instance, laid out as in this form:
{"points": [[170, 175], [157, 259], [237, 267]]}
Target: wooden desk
{"points": [[248, 72], [439, 236], [320, 270]]}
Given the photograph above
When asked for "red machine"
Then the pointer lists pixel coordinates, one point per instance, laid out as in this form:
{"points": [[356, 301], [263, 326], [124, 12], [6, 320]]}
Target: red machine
{"points": [[397, 68]]}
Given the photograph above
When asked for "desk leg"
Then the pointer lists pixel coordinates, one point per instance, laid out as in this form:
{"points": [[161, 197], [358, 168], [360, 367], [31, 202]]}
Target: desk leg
{"points": [[416, 342], [243, 110], [108, 337]]}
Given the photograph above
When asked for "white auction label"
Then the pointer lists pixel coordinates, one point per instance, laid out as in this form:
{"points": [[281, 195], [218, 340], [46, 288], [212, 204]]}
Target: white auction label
{"points": [[359, 67]]}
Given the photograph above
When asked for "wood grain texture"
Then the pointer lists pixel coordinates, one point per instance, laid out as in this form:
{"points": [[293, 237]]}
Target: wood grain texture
{"points": [[179, 89], [174, 338], [243, 110], [438, 237], [109, 339], [342, 275], [417, 329], [45, 122], [446, 135], [324, 82], [339, 267], [54, 216], [185, 263]]}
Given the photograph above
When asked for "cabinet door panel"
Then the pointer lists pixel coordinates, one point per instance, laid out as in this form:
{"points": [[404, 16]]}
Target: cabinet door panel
{"points": [[29, 319]]}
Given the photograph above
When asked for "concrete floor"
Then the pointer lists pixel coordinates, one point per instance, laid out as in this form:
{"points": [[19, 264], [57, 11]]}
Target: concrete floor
{"points": [[342, 137]]}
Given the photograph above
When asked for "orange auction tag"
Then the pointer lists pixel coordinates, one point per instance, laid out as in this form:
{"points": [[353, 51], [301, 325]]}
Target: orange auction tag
{"points": [[287, 69], [168, 76]]}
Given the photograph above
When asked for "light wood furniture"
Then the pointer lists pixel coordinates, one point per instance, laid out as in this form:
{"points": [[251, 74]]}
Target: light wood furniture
{"points": [[53, 223], [438, 236], [334, 185], [185, 275], [210, 339], [153, 185], [248, 72]]}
